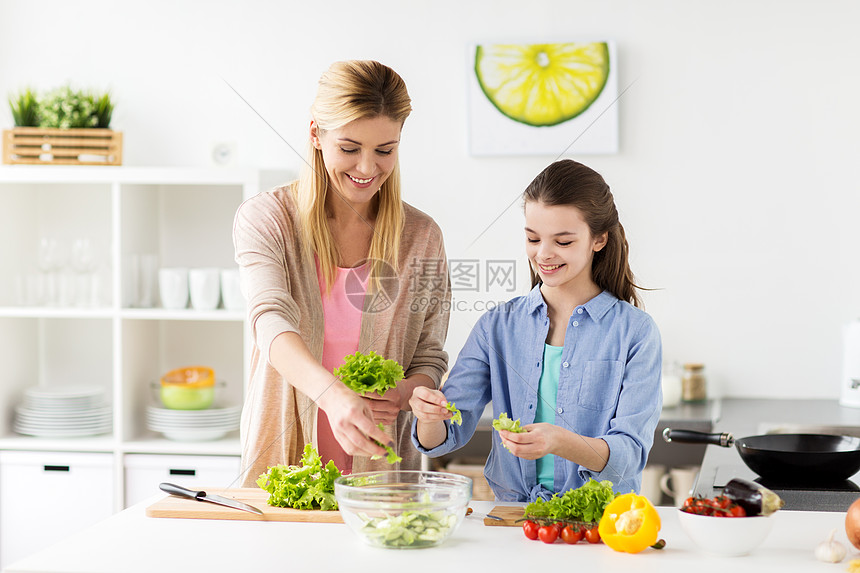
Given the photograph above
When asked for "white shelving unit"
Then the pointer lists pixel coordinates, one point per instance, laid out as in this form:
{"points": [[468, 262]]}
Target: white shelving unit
{"points": [[185, 217]]}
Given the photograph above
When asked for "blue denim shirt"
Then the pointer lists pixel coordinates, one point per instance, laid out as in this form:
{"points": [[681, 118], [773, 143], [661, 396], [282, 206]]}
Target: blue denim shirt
{"points": [[609, 388]]}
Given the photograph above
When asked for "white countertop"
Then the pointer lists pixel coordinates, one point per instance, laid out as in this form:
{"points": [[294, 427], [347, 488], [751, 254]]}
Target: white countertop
{"points": [[130, 542]]}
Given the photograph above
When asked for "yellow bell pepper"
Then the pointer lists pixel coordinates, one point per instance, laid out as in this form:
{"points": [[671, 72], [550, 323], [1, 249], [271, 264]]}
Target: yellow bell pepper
{"points": [[629, 523]]}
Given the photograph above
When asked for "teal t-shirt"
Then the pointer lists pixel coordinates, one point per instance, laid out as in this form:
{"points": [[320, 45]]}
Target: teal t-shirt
{"points": [[547, 392]]}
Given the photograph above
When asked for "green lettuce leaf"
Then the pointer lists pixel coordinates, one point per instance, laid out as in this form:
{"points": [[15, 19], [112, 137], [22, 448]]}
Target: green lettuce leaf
{"points": [[391, 457], [457, 418], [309, 486], [369, 373], [418, 528], [583, 504], [505, 423]]}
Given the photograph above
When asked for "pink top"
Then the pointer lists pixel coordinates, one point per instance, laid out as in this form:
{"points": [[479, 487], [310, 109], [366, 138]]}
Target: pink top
{"points": [[280, 284], [342, 320]]}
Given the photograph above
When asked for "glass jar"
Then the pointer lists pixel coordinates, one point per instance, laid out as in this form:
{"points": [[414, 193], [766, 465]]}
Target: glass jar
{"points": [[693, 383]]}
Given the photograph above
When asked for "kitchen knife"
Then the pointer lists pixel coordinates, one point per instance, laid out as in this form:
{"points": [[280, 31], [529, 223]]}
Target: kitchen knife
{"points": [[470, 511], [203, 496]]}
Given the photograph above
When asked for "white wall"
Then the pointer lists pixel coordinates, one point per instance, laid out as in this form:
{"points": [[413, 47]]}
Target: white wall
{"points": [[737, 177]]}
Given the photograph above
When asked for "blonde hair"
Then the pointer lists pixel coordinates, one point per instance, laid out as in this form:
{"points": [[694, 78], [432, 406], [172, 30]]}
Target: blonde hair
{"points": [[358, 89]]}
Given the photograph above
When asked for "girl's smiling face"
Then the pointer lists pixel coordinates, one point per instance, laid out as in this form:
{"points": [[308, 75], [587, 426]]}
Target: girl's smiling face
{"points": [[359, 156], [560, 246]]}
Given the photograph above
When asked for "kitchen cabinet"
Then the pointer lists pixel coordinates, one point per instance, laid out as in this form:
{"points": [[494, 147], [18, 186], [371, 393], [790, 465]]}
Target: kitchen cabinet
{"points": [[45, 496], [71, 317], [143, 473]]}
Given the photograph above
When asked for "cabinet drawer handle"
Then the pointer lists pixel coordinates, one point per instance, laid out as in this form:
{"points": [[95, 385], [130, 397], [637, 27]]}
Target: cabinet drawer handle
{"points": [[56, 468], [183, 472]]}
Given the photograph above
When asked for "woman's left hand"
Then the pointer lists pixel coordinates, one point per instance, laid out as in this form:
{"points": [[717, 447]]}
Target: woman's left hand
{"points": [[385, 408], [537, 441]]}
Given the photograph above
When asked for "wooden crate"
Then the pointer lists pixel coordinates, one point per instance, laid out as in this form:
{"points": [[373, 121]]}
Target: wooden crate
{"points": [[45, 146]]}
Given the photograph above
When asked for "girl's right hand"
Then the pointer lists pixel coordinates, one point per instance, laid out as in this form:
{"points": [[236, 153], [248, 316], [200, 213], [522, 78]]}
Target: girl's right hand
{"points": [[352, 422], [428, 405]]}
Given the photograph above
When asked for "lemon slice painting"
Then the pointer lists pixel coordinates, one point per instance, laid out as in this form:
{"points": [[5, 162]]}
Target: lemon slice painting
{"points": [[542, 85]]}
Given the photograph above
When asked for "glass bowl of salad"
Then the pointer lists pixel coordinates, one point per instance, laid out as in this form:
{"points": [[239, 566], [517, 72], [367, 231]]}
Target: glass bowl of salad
{"points": [[403, 509]]}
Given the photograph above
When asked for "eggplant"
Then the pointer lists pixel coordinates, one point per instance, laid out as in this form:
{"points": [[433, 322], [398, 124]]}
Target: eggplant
{"points": [[754, 498]]}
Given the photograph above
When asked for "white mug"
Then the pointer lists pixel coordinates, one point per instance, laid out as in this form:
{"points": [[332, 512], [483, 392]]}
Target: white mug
{"points": [[205, 286], [682, 483], [231, 293], [650, 488], [173, 287], [147, 277], [671, 386]]}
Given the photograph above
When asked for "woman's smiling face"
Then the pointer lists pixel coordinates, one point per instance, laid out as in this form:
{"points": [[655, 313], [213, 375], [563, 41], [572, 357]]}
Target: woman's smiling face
{"points": [[359, 156], [559, 245]]}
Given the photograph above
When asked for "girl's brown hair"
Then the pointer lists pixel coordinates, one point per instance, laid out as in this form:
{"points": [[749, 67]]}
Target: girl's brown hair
{"points": [[569, 183], [357, 89]]}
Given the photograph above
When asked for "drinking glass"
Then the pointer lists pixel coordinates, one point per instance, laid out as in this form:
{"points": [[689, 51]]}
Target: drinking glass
{"points": [[52, 259], [84, 265]]}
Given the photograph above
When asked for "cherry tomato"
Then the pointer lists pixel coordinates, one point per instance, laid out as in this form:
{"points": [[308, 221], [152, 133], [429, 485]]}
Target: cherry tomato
{"points": [[719, 506], [530, 528], [737, 511], [592, 535], [722, 502], [548, 533], [571, 534]]}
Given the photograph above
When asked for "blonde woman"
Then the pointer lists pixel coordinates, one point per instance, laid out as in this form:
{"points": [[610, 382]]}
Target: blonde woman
{"points": [[336, 263]]}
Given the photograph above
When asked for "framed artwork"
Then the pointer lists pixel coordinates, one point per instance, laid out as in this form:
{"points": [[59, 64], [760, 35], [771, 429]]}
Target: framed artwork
{"points": [[543, 99]]}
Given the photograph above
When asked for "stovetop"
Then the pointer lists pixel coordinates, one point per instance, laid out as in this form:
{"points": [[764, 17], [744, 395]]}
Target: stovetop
{"points": [[835, 496]]}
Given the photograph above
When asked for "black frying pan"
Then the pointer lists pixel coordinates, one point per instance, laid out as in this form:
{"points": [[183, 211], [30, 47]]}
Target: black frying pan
{"points": [[789, 458]]}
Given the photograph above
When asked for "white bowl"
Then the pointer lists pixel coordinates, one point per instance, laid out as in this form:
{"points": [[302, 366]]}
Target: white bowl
{"points": [[726, 536]]}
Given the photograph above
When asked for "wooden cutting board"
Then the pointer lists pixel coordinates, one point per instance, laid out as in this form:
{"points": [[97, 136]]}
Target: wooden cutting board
{"points": [[183, 507], [509, 515]]}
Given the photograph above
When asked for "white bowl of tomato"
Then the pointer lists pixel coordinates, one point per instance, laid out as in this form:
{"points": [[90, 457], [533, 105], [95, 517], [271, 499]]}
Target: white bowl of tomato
{"points": [[722, 527]]}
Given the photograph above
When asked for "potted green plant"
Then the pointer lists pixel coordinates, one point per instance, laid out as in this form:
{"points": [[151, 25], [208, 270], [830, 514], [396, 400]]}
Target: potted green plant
{"points": [[65, 126], [103, 110], [65, 108], [25, 109]]}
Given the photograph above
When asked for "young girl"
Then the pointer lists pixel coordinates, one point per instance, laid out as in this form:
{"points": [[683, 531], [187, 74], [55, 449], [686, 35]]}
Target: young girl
{"points": [[575, 360]]}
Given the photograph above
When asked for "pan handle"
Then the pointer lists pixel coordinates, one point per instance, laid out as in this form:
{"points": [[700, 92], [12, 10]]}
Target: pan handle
{"points": [[725, 439]]}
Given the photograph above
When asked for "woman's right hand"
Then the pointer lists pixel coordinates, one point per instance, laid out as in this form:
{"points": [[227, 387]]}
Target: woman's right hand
{"points": [[351, 422], [428, 405]]}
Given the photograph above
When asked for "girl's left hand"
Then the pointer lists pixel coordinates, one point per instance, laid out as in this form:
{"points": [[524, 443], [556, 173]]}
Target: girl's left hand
{"points": [[385, 408], [537, 441]]}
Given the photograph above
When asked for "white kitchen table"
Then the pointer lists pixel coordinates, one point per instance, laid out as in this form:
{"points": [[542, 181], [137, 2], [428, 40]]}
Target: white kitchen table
{"points": [[130, 541]]}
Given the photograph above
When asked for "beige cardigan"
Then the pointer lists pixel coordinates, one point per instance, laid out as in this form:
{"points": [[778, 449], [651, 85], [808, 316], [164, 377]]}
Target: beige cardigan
{"points": [[282, 290]]}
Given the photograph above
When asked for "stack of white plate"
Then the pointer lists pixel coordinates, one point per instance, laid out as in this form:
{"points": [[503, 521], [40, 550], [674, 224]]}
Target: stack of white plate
{"points": [[193, 425], [63, 412]]}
